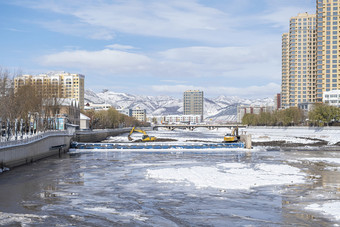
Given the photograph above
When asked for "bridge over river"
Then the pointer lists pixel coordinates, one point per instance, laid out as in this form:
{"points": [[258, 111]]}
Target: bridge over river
{"points": [[193, 127]]}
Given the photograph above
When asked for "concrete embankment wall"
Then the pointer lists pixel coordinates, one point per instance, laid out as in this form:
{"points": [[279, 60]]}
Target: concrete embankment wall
{"points": [[98, 135], [16, 155]]}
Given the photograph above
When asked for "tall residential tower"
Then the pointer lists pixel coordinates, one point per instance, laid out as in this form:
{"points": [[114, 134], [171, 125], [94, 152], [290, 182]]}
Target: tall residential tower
{"points": [[328, 50], [299, 61], [193, 103], [285, 71]]}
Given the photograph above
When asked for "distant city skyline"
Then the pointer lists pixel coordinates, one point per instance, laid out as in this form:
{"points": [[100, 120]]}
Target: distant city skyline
{"points": [[222, 47]]}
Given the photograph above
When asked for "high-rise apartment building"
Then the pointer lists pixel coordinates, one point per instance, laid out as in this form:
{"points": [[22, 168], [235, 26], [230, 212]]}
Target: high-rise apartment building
{"points": [[328, 49], [193, 102], [299, 61], [56, 84], [322, 49], [285, 71]]}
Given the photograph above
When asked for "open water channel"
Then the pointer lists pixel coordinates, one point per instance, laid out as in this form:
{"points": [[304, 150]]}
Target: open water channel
{"points": [[258, 187]]}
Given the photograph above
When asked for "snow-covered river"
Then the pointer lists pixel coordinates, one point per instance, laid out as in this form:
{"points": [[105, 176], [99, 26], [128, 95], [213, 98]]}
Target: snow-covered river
{"points": [[259, 187]]}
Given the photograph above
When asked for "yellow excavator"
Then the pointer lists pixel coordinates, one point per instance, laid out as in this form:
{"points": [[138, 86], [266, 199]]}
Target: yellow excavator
{"points": [[145, 137], [232, 137]]}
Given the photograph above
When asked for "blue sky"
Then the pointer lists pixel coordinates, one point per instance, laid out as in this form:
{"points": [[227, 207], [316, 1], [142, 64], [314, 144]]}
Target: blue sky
{"points": [[152, 47]]}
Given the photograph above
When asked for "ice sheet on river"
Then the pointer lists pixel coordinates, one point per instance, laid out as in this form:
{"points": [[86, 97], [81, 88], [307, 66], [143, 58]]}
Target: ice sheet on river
{"points": [[228, 176], [328, 208]]}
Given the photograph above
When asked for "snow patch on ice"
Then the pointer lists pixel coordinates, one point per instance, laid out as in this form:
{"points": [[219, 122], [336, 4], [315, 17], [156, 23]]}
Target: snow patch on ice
{"points": [[328, 160], [134, 215], [330, 208], [24, 219], [230, 176]]}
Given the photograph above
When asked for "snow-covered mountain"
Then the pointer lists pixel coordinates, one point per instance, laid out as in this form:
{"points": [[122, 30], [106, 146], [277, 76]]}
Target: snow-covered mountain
{"points": [[220, 109]]}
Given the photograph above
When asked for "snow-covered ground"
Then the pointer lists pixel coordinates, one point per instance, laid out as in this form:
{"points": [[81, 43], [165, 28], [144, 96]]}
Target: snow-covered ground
{"points": [[298, 135], [304, 135]]}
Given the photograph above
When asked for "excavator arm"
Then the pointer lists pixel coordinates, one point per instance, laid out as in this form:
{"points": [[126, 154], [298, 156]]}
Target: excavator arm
{"points": [[145, 135]]}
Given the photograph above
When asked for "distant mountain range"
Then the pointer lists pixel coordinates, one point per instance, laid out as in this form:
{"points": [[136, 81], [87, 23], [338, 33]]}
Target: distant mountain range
{"points": [[220, 109]]}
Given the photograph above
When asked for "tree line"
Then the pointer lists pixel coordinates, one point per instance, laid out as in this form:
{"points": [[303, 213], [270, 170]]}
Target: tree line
{"points": [[320, 115], [30, 104], [111, 118], [26, 105]]}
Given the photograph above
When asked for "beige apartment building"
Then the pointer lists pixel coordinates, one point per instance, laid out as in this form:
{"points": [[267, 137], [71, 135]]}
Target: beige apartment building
{"points": [[285, 71], [299, 61], [55, 84], [139, 114], [328, 41], [193, 103]]}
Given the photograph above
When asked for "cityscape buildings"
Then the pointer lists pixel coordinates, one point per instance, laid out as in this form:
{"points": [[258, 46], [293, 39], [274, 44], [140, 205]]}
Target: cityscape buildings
{"points": [[299, 61], [251, 109], [277, 101], [55, 84], [193, 103], [182, 119], [97, 106], [285, 71], [328, 52], [311, 56], [139, 114], [69, 112]]}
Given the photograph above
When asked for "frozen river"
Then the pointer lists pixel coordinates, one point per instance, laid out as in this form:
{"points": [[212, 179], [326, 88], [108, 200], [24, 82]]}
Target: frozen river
{"points": [[259, 187]]}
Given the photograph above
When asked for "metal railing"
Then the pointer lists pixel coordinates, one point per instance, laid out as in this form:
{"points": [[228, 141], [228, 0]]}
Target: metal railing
{"points": [[34, 138]]}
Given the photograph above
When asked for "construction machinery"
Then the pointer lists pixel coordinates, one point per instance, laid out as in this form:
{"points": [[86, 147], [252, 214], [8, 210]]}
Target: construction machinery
{"points": [[145, 137], [232, 137]]}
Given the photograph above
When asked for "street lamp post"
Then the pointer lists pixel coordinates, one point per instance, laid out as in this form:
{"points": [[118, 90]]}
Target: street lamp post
{"points": [[16, 129], [21, 128]]}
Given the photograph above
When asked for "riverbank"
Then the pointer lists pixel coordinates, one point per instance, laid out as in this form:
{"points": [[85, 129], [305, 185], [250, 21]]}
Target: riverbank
{"points": [[36, 147], [18, 153], [98, 135], [287, 137]]}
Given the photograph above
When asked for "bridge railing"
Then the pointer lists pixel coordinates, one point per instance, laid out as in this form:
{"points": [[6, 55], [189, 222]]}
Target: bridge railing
{"points": [[32, 138]]}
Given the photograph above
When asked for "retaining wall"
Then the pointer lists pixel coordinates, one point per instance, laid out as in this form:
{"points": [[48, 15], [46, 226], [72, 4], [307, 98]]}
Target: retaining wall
{"points": [[98, 135], [19, 154]]}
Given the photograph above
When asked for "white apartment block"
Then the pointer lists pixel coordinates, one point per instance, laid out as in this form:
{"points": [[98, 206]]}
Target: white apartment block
{"points": [[97, 106], [182, 119], [332, 98]]}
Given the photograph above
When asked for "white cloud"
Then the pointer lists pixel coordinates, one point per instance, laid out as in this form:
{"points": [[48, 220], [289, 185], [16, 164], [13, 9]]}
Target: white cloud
{"points": [[120, 47], [174, 81], [178, 63], [172, 19], [242, 62], [280, 17], [104, 61], [78, 29]]}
